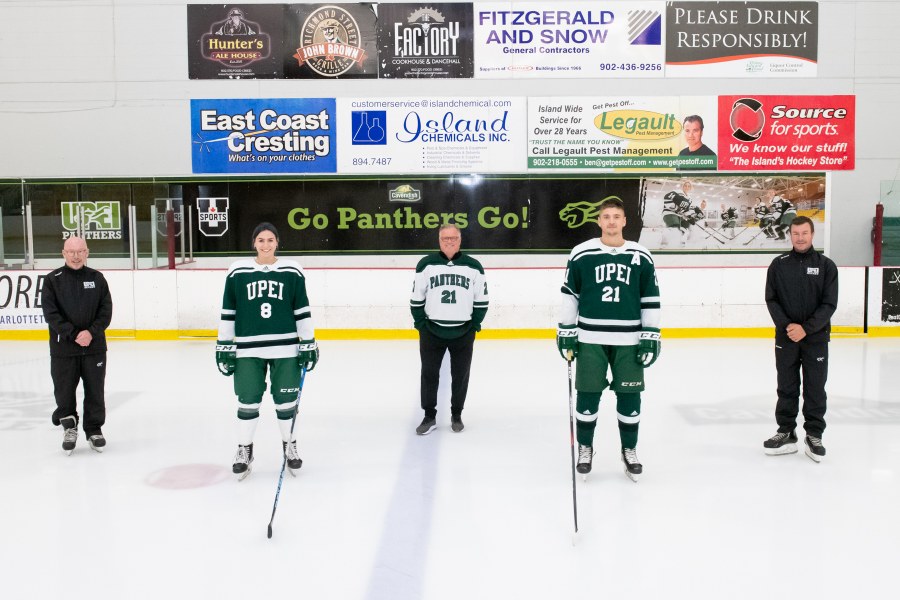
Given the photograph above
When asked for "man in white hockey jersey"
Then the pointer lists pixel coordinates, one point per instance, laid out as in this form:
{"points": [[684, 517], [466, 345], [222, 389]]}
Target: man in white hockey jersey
{"points": [[449, 301]]}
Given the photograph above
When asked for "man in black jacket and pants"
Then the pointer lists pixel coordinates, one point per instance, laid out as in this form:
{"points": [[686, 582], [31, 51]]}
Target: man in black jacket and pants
{"points": [[78, 308], [801, 294]]}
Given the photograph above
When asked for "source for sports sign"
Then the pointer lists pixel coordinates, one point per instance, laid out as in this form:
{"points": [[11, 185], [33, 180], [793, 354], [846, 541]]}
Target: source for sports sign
{"points": [[436, 135], [742, 39], [286, 135], [796, 133], [568, 39]]}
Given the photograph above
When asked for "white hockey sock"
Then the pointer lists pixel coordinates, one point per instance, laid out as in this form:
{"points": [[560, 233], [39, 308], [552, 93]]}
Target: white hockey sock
{"points": [[285, 426], [246, 430]]}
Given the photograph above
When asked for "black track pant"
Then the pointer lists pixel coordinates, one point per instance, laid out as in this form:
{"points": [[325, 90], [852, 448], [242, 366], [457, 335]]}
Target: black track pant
{"points": [[67, 371], [810, 359], [432, 350]]}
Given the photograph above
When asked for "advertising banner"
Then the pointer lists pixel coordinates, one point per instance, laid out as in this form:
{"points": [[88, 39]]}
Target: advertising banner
{"points": [[726, 213], [235, 41], [742, 39], [568, 39], [286, 135], [425, 40], [796, 133], [20, 301], [330, 41], [403, 214], [890, 295], [436, 135], [622, 134]]}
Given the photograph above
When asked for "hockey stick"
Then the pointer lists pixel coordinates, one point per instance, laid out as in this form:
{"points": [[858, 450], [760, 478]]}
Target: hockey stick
{"points": [[572, 451], [284, 462], [761, 231], [711, 232]]}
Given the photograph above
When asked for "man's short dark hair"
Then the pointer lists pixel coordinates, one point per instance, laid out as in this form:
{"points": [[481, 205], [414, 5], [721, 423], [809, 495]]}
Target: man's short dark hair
{"points": [[612, 202], [694, 119], [801, 220]]}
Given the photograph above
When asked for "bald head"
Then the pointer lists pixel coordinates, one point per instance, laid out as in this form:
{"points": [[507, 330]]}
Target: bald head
{"points": [[75, 251]]}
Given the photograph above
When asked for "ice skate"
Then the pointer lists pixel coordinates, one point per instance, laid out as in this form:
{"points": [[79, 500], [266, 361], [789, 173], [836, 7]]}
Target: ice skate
{"points": [[585, 458], [70, 434], [781, 443], [97, 442], [294, 461], [633, 467], [814, 448], [243, 461]]}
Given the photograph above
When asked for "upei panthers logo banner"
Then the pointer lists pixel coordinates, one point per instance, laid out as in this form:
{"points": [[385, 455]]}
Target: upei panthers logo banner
{"points": [[97, 220], [213, 216]]}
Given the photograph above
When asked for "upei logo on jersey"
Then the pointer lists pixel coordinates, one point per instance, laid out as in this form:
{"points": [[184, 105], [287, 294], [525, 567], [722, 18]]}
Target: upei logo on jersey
{"points": [[747, 119], [235, 41], [162, 205], [576, 214], [330, 42], [644, 28], [213, 216], [369, 127], [405, 193], [97, 220]]}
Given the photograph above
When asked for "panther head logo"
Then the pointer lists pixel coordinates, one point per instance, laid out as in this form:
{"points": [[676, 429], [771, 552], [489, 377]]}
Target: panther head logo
{"points": [[577, 214]]}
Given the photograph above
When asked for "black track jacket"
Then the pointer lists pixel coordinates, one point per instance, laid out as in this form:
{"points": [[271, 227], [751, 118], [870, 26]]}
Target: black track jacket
{"points": [[75, 300], [802, 288]]}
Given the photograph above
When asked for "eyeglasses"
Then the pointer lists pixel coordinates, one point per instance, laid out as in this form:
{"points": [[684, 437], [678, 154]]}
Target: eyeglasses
{"points": [[450, 239]]}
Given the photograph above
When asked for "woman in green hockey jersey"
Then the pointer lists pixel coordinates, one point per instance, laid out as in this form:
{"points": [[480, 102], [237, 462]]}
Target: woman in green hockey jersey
{"points": [[609, 320], [265, 325]]}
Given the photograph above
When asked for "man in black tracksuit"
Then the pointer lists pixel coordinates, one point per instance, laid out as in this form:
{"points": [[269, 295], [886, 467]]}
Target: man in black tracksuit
{"points": [[801, 294], [78, 308]]}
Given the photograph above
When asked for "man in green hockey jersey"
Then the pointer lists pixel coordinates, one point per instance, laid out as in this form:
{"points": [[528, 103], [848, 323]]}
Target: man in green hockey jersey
{"points": [[609, 320], [265, 325], [448, 303]]}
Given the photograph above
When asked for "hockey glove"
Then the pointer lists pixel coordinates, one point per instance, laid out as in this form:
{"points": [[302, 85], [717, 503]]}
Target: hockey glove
{"points": [[309, 354], [567, 341], [649, 347], [226, 358]]}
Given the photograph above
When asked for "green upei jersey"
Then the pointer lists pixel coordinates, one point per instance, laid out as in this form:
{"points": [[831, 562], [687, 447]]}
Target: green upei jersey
{"points": [[449, 295], [610, 293], [265, 310]]}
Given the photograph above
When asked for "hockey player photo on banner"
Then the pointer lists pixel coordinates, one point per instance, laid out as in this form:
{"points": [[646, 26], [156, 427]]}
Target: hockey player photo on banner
{"points": [[728, 214], [234, 41], [330, 41]]}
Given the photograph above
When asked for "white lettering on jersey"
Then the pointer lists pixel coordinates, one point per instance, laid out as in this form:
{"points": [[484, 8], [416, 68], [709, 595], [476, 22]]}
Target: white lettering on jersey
{"points": [[611, 271], [263, 288]]}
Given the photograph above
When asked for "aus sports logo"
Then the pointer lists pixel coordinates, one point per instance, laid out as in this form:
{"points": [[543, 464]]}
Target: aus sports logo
{"points": [[212, 216], [95, 220], [576, 214]]}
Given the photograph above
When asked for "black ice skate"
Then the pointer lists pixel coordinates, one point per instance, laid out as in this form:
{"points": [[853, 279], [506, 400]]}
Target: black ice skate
{"points": [[814, 448], [97, 442], [585, 457], [294, 461], [70, 435], [781, 443], [633, 467], [243, 461]]}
